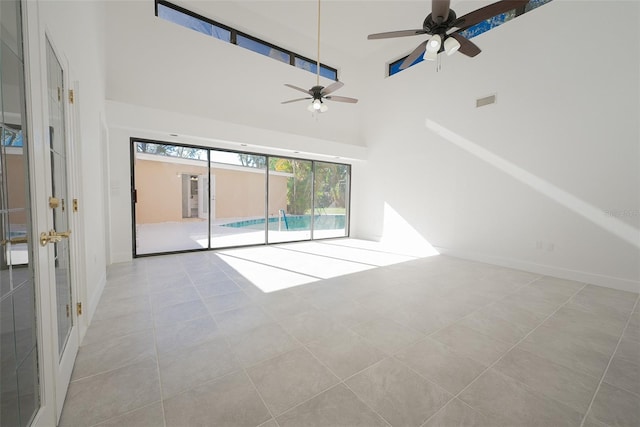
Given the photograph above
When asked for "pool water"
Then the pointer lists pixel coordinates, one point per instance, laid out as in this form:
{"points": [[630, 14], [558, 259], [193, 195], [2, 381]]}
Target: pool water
{"points": [[293, 223]]}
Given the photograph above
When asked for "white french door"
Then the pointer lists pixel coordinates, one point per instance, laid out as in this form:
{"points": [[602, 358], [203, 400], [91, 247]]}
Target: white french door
{"points": [[53, 241]]}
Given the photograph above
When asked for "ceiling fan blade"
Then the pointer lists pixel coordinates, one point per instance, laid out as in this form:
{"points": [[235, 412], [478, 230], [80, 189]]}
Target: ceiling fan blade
{"points": [[294, 100], [467, 47], [484, 13], [440, 10], [308, 92], [392, 34], [342, 99], [414, 55], [331, 88]]}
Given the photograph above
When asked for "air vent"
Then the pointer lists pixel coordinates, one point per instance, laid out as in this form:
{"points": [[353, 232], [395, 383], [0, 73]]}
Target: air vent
{"points": [[487, 100]]}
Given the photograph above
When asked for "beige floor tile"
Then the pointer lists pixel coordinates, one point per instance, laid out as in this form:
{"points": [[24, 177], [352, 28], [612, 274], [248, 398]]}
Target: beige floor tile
{"points": [[124, 307], [180, 312], [624, 374], [229, 401], [496, 394], [616, 407], [261, 343], [100, 397], [149, 416], [104, 330], [573, 388], [494, 326], [173, 296], [337, 407], [242, 319], [556, 286], [472, 344], [290, 379], [219, 303], [570, 350], [387, 335], [574, 318], [440, 364], [218, 287], [311, 325], [345, 353], [115, 353], [189, 367], [185, 334], [458, 414], [397, 394]]}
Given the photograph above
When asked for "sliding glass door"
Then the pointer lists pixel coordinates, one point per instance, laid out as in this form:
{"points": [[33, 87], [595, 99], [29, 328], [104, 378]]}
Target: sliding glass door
{"points": [[331, 188], [238, 185], [171, 198], [290, 199], [189, 198]]}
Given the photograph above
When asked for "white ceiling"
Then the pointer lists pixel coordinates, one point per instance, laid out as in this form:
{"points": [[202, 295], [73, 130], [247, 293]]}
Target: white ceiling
{"points": [[344, 24]]}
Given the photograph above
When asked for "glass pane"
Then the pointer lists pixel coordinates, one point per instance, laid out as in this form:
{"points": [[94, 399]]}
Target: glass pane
{"points": [[11, 25], [172, 198], [331, 200], [28, 393], [238, 183], [193, 23], [394, 67], [9, 415], [290, 199], [312, 67], [262, 48], [58, 159], [12, 87], [18, 345], [24, 308]]}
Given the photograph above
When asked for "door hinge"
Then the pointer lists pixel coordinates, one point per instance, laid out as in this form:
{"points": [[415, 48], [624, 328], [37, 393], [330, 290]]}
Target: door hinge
{"points": [[59, 94], [71, 96], [75, 205], [79, 309], [68, 311]]}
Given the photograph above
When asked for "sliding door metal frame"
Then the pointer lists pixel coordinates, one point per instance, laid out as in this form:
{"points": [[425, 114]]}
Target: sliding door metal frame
{"points": [[133, 141]]}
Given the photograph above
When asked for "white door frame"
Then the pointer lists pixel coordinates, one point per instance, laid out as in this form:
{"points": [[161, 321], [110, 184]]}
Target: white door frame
{"points": [[54, 373]]}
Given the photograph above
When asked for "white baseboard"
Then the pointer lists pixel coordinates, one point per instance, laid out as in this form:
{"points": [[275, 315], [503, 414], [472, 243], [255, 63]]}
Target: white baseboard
{"points": [[121, 257], [93, 304], [548, 270]]}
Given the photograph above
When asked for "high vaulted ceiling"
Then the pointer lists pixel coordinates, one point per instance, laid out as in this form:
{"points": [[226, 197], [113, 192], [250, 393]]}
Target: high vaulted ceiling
{"points": [[344, 24]]}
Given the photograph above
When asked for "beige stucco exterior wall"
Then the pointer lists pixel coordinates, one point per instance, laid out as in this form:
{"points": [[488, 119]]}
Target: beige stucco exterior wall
{"points": [[16, 180], [238, 194]]}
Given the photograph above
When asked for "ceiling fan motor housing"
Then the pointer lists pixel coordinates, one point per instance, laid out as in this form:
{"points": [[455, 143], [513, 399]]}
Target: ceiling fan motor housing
{"points": [[432, 27], [316, 92]]}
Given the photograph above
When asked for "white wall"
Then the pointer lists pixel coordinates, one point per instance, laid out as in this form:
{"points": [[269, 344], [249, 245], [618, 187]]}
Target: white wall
{"points": [[526, 182], [76, 30]]}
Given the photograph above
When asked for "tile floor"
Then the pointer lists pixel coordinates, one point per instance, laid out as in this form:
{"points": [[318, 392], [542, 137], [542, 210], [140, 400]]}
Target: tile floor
{"points": [[186, 340]]}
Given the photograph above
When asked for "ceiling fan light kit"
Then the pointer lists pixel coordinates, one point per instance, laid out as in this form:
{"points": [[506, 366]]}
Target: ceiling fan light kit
{"points": [[318, 94], [451, 46], [446, 29]]}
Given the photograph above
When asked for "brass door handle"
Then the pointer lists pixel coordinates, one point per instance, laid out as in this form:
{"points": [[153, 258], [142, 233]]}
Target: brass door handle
{"points": [[15, 240], [53, 236]]}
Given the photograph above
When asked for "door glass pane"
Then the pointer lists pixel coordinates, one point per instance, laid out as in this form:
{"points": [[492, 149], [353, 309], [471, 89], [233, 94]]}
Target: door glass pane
{"points": [[19, 379], [290, 199], [331, 200], [59, 199], [238, 183], [172, 198]]}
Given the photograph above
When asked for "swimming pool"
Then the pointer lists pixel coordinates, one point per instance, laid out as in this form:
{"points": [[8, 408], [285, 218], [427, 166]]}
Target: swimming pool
{"points": [[293, 223]]}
